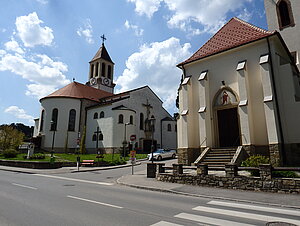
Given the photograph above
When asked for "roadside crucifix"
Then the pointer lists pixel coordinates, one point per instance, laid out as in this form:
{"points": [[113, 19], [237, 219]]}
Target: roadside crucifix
{"points": [[97, 137]]}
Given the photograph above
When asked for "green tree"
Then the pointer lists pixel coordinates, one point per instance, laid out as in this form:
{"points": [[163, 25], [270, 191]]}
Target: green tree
{"points": [[10, 138], [82, 142]]}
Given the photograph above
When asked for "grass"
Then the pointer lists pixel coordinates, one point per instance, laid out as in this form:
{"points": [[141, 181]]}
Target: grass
{"points": [[59, 157]]}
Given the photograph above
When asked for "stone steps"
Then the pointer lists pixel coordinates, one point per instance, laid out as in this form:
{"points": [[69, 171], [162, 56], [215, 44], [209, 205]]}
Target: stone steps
{"points": [[219, 157]]}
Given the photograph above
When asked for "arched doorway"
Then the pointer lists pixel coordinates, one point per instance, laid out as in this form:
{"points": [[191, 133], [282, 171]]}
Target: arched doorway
{"points": [[226, 118]]}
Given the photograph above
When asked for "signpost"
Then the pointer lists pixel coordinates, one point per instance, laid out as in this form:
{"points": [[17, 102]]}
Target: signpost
{"points": [[133, 159]]}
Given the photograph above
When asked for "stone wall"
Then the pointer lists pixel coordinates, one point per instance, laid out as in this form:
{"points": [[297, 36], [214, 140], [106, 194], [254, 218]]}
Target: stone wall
{"points": [[232, 180], [187, 156]]}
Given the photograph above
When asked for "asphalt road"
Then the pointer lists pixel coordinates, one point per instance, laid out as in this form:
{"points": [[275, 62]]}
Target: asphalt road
{"points": [[93, 198]]}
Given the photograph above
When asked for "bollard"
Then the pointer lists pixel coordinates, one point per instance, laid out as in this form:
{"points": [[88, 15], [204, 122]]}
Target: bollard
{"points": [[177, 169], [265, 171], [231, 170], [151, 170], [202, 169], [161, 168]]}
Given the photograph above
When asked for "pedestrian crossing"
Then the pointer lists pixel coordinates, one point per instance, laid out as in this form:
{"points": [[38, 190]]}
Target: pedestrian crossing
{"points": [[234, 213]]}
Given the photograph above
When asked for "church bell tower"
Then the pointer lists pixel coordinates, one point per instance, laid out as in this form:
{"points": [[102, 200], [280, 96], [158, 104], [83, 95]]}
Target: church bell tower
{"points": [[101, 70], [284, 16]]}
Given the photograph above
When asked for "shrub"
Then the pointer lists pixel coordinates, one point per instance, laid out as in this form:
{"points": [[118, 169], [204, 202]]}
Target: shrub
{"points": [[255, 161], [10, 153], [288, 174]]}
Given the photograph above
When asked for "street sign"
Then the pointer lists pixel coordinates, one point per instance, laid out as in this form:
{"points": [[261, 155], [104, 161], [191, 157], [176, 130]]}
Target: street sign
{"points": [[132, 137], [132, 153]]}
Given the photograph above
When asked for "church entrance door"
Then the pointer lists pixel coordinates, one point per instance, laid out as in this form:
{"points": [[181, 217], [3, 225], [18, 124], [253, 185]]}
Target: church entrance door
{"points": [[228, 127]]}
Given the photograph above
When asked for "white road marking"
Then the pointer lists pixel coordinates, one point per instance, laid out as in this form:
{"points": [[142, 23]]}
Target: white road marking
{"points": [[24, 186], [165, 223], [73, 179], [209, 220], [96, 202], [255, 207], [252, 216]]}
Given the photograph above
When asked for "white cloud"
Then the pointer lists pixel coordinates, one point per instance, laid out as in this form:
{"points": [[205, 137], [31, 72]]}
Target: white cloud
{"points": [[12, 45], [211, 14], [155, 65], [31, 33], [137, 31], [44, 73], [19, 113], [147, 7], [86, 31]]}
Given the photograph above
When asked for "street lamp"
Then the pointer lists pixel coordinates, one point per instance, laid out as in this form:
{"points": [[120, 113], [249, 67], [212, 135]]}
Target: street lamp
{"points": [[125, 141], [152, 126]]}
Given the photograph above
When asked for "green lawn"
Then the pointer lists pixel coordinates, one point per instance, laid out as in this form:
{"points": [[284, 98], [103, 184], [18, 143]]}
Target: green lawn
{"points": [[73, 157]]}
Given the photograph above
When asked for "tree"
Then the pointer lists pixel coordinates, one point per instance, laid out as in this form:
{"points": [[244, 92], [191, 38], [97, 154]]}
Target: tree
{"points": [[10, 137]]}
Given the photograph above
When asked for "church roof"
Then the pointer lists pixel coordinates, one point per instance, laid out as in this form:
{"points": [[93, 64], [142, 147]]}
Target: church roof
{"points": [[103, 54], [233, 34], [79, 91]]}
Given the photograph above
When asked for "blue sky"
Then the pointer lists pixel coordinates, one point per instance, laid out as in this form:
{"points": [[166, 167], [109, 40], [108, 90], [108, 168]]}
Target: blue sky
{"points": [[44, 44]]}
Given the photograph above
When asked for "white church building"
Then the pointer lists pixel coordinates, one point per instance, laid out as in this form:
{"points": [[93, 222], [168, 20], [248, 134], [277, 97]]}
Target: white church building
{"points": [[136, 116], [241, 91]]}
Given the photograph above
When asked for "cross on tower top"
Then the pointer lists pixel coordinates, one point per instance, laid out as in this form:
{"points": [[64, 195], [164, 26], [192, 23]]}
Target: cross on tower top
{"points": [[103, 38]]}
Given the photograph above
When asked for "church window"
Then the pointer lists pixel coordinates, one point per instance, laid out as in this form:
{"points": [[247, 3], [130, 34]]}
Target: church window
{"points": [[97, 68], [101, 136], [109, 72], [54, 119], [169, 127], [102, 114], [175, 128], [284, 14], [121, 118], [72, 118], [294, 56], [103, 69], [141, 121], [95, 115], [42, 120], [94, 137], [131, 119]]}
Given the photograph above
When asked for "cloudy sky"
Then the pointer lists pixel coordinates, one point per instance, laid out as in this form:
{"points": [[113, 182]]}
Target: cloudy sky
{"points": [[44, 44]]}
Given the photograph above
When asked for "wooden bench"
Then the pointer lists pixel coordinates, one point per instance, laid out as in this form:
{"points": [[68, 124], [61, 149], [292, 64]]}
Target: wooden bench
{"points": [[88, 162]]}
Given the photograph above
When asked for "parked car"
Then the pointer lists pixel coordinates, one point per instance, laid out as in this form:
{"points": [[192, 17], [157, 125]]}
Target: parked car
{"points": [[161, 154]]}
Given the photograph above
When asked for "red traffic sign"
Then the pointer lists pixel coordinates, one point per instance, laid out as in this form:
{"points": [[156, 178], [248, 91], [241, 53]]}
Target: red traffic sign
{"points": [[132, 137]]}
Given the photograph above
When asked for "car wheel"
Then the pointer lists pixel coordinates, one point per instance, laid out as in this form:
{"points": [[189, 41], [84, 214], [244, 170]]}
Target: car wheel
{"points": [[173, 156], [159, 158]]}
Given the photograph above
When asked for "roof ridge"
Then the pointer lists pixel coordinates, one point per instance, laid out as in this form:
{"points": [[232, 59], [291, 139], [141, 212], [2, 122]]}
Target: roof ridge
{"points": [[253, 26]]}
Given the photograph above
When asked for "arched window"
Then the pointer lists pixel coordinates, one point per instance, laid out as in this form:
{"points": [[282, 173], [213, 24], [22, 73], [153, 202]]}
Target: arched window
{"points": [[72, 118], [102, 114], [97, 69], [92, 70], [169, 127], [121, 118], [131, 119], [101, 136], [54, 119], [42, 120], [94, 137], [95, 115], [141, 121], [284, 14], [103, 69], [109, 72]]}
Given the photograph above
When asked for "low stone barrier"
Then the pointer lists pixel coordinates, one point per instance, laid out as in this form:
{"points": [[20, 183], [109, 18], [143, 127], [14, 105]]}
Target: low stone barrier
{"points": [[31, 164], [233, 181]]}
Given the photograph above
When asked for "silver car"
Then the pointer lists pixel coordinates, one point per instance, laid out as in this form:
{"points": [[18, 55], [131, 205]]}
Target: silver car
{"points": [[161, 154]]}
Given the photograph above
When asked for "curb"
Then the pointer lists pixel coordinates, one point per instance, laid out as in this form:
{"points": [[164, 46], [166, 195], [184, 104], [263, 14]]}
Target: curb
{"points": [[105, 168], [202, 196]]}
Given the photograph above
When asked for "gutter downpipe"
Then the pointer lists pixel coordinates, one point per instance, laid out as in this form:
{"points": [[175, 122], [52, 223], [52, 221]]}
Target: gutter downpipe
{"points": [[282, 152]]}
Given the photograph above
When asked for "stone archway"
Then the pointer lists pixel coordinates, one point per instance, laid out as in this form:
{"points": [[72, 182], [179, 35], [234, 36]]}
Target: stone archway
{"points": [[226, 118]]}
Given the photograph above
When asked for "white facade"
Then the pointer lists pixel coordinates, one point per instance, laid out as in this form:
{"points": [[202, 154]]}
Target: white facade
{"points": [[131, 106], [245, 96]]}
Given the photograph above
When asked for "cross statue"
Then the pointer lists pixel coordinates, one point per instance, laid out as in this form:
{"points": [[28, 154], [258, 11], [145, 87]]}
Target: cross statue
{"points": [[148, 106], [97, 135], [103, 38]]}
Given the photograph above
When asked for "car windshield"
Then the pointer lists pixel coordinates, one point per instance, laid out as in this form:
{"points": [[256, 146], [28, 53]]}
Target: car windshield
{"points": [[159, 151]]}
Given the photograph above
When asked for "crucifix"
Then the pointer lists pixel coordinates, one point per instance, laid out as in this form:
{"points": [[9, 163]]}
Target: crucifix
{"points": [[103, 39], [97, 137], [148, 106]]}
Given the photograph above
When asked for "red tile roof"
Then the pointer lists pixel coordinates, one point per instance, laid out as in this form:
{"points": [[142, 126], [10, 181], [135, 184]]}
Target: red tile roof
{"points": [[79, 91], [233, 34]]}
